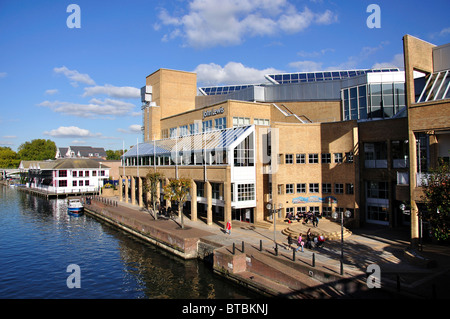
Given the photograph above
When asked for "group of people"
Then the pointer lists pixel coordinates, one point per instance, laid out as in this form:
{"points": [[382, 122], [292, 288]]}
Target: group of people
{"points": [[305, 217], [307, 241]]}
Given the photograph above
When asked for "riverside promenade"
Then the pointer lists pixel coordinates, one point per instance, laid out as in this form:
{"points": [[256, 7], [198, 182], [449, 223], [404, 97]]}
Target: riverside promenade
{"points": [[248, 256]]}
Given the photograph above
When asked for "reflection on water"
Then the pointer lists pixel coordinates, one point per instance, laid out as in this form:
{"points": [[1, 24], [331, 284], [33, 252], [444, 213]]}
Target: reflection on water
{"points": [[39, 240]]}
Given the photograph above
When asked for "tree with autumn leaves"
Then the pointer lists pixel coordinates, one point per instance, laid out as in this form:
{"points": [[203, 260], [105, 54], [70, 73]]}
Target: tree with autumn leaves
{"points": [[437, 200]]}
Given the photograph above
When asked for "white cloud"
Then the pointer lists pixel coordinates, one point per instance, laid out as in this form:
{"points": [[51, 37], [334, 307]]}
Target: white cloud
{"points": [[306, 66], [113, 91], [51, 91], [132, 129], [75, 76], [71, 132], [444, 32], [231, 73], [95, 108], [396, 62], [228, 22], [314, 54]]}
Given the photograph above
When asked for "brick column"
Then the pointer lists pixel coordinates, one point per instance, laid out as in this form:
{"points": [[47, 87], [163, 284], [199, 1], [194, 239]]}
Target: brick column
{"points": [[193, 194], [133, 190], [126, 189], [208, 191], [227, 203], [141, 197]]}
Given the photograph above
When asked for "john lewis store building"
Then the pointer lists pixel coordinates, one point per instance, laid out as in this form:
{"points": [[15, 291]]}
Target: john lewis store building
{"points": [[292, 141]]}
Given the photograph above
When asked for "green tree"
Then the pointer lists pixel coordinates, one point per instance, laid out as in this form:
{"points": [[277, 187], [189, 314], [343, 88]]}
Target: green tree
{"points": [[114, 155], [437, 199], [37, 150], [177, 190], [8, 158], [151, 185]]}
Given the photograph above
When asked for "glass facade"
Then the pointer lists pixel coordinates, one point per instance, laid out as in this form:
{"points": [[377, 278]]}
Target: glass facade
{"points": [[373, 100], [437, 87]]}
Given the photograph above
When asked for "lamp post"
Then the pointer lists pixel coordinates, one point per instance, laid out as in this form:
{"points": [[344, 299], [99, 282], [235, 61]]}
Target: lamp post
{"points": [[335, 215], [269, 207]]}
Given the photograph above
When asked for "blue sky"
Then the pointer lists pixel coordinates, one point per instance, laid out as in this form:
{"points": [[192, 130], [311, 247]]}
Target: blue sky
{"points": [[80, 86]]}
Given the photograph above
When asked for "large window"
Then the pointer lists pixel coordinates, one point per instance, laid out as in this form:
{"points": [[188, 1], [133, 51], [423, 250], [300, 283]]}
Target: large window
{"points": [[377, 190], [241, 121], [377, 100], [184, 130], [261, 121], [220, 123], [207, 126], [246, 192], [377, 213], [375, 155], [244, 152], [193, 128], [400, 153]]}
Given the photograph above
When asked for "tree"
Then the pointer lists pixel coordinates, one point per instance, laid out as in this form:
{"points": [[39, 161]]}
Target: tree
{"points": [[437, 199], [114, 155], [177, 190], [8, 158], [37, 150], [151, 185]]}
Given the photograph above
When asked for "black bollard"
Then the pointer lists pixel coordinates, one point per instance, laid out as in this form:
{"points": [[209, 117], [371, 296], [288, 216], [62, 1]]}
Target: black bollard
{"points": [[276, 249], [314, 260], [242, 246], [260, 245], [293, 255], [234, 248]]}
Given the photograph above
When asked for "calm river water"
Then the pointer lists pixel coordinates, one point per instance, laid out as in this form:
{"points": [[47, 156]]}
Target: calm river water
{"points": [[38, 241]]}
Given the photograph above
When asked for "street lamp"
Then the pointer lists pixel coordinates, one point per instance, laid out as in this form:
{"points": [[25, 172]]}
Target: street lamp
{"points": [[269, 207], [335, 216]]}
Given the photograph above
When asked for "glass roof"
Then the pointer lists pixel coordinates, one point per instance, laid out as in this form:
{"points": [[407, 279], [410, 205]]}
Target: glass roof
{"points": [[212, 140], [437, 87], [218, 90], [300, 77]]}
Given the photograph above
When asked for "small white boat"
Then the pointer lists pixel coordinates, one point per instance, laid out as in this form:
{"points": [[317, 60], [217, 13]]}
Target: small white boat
{"points": [[75, 207]]}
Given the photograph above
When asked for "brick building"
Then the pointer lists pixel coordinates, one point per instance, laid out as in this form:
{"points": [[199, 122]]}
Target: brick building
{"points": [[320, 141]]}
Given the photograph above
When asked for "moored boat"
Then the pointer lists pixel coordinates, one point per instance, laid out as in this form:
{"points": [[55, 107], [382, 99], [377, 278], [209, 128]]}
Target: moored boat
{"points": [[75, 207]]}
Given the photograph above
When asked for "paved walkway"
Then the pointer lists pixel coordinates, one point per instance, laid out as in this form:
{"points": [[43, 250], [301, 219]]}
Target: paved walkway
{"points": [[365, 246]]}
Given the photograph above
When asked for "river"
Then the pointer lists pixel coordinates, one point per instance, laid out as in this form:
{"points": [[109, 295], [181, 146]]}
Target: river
{"points": [[39, 240]]}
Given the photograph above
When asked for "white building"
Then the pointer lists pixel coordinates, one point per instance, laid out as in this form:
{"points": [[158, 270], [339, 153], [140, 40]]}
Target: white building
{"points": [[65, 176]]}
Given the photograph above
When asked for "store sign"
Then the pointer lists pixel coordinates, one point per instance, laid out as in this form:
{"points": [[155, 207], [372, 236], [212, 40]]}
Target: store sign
{"points": [[213, 112]]}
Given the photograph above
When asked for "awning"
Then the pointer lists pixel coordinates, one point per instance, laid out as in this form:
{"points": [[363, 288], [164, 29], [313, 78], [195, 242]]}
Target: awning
{"points": [[213, 140]]}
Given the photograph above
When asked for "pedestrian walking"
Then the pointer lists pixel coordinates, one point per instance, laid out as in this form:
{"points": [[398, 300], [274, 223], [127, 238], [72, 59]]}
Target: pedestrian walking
{"points": [[308, 239], [300, 242], [228, 228]]}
